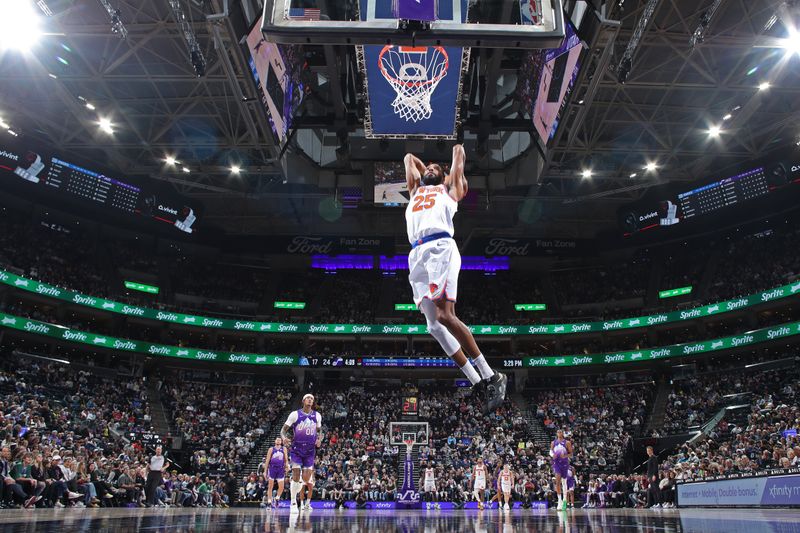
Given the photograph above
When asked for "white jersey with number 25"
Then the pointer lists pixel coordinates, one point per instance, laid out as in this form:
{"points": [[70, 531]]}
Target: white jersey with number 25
{"points": [[431, 210]]}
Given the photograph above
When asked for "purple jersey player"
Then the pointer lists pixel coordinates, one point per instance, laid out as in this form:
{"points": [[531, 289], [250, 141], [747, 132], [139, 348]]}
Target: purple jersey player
{"points": [[560, 451], [277, 464], [306, 424]]}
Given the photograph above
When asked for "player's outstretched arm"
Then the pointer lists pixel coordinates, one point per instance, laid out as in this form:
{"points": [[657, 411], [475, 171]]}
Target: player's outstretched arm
{"points": [[414, 169], [456, 181], [285, 433]]}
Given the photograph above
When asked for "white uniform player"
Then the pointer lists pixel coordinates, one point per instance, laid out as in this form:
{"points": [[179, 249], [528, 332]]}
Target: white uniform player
{"points": [[434, 264], [430, 480], [506, 482], [479, 482]]}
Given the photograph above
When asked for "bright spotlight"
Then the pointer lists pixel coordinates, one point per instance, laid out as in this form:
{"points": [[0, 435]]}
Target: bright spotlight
{"points": [[4, 124], [236, 169], [727, 117], [186, 169], [170, 160], [792, 44], [19, 26], [714, 131], [586, 174], [763, 86], [90, 106], [106, 125], [651, 167], [633, 175]]}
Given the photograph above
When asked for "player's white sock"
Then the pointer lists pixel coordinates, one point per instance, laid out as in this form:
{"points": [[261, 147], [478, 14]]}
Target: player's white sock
{"points": [[484, 369], [294, 488], [471, 373]]}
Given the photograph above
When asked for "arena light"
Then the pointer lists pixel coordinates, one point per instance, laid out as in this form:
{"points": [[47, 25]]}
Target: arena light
{"points": [[586, 173], [763, 86], [727, 117], [4, 124], [13, 133], [19, 26], [186, 170], [633, 175], [792, 43], [714, 131], [235, 169], [90, 106], [651, 166], [106, 125], [170, 160]]}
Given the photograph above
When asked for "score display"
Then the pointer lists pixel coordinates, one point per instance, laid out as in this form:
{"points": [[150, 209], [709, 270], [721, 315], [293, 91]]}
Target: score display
{"points": [[724, 193], [391, 362], [21, 164]]}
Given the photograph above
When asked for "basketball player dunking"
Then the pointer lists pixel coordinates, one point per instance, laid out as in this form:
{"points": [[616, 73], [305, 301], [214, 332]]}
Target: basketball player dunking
{"points": [[560, 451], [277, 464], [307, 426], [479, 482], [434, 264]]}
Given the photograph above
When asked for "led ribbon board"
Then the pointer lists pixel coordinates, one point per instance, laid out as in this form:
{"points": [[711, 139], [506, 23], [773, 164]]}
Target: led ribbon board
{"points": [[530, 307], [671, 293], [104, 341], [103, 304], [141, 287]]}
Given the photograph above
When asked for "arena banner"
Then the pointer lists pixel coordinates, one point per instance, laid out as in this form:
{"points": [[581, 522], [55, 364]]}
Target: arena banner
{"points": [[102, 304], [676, 350], [781, 490], [326, 244], [523, 246], [391, 506], [105, 341]]}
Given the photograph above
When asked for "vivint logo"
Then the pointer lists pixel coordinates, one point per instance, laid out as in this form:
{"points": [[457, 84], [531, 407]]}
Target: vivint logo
{"points": [[9, 155]]}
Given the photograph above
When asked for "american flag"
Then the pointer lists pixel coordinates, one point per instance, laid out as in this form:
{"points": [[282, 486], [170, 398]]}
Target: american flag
{"points": [[303, 13]]}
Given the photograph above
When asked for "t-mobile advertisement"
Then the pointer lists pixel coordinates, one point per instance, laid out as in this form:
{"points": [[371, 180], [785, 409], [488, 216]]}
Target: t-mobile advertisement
{"points": [[755, 491]]}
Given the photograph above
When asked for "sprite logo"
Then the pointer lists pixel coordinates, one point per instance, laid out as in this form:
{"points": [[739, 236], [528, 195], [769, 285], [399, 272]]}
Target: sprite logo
{"points": [[208, 356], [558, 329], [3, 276], [109, 305], [656, 319], [736, 304], [537, 329], [170, 317], [265, 326], [128, 310], [694, 313], [36, 328], [124, 345], [212, 322], [46, 289], [664, 352], [189, 319], [74, 336], [158, 350], [560, 361], [182, 353], [261, 359], [317, 328], [288, 327], [20, 282], [244, 325], [9, 321], [84, 300], [739, 341], [283, 361], [694, 348], [582, 360], [780, 332], [541, 361], [507, 329], [795, 288], [486, 329], [771, 295], [99, 340], [616, 324], [716, 345], [391, 329], [712, 309], [617, 358], [581, 327], [636, 355], [413, 329], [339, 329], [361, 329], [233, 358]]}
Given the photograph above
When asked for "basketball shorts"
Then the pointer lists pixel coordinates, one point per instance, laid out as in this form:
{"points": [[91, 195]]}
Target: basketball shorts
{"points": [[560, 467], [302, 456], [433, 270], [276, 472], [505, 487], [480, 484], [429, 487]]}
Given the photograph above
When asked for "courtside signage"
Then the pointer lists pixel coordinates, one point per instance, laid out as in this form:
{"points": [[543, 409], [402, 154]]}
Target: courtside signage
{"points": [[104, 341], [102, 304]]}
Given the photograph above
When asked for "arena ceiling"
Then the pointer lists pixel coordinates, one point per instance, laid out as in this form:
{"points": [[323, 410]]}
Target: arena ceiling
{"points": [[146, 85]]}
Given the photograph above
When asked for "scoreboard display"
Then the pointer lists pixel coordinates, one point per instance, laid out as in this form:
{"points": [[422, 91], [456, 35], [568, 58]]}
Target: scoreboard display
{"points": [[392, 362], [723, 193], [21, 164]]}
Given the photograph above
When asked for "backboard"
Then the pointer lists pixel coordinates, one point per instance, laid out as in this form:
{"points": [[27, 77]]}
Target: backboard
{"points": [[527, 24], [408, 433]]}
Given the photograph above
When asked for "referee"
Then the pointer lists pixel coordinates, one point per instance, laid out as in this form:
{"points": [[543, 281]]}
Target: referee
{"points": [[158, 464]]}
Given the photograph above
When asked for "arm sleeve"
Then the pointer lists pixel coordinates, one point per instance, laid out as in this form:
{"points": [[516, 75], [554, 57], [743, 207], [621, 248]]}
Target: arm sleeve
{"points": [[292, 419], [319, 420]]}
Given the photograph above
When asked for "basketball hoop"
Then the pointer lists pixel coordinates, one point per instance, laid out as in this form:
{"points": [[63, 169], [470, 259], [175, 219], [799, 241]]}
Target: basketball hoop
{"points": [[409, 445], [413, 72]]}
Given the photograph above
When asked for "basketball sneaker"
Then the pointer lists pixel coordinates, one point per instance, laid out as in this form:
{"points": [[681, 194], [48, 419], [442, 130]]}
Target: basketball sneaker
{"points": [[495, 391], [506, 507]]}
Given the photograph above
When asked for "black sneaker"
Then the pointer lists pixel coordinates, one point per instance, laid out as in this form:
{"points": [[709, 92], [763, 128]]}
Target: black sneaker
{"points": [[495, 391]]}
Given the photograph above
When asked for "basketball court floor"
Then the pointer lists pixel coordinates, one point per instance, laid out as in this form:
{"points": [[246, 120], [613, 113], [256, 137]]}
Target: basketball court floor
{"points": [[335, 521]]}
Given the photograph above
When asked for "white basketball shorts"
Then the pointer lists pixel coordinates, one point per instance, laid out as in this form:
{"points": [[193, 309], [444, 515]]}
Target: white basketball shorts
{"points": [[429, 487], [433, 270], [480, 484]]}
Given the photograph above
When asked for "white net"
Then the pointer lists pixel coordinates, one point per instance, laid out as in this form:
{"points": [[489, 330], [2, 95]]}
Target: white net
{"points": [[414, 74]]}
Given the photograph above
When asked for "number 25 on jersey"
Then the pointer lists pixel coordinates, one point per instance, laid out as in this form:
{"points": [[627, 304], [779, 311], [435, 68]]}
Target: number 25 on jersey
{"points": [[424, 202]]}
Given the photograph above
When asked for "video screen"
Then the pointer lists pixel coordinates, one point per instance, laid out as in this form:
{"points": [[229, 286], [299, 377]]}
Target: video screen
{"points": [[390, 184], [546, 78], [276, 70]]}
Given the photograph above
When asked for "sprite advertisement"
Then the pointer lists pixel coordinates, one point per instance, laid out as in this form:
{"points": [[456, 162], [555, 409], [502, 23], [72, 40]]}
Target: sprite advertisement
{"points": [[391, 329], [676, 350]]}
